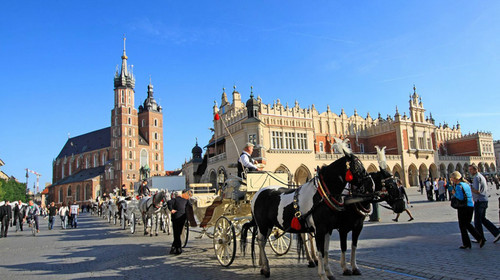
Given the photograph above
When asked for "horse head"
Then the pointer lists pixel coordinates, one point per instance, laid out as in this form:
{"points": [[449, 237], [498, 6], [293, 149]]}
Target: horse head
{"points": [[386, 187], [347, 172]]}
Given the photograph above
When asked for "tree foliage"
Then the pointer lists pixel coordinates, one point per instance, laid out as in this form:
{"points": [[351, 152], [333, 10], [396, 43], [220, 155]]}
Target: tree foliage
{"points": [[12, 190]]}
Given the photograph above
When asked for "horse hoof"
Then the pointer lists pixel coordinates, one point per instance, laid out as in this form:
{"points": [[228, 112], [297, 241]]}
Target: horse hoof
{"points": [[150, 235], [331, 277], [267, 274], [156, 234], [311, 264], [356, 272], [316, 262], [145, 233], [347, 272]]}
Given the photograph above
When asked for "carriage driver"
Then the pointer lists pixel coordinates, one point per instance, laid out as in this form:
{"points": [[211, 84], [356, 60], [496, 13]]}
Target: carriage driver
{"points": [[143, 188], [246, 161]]}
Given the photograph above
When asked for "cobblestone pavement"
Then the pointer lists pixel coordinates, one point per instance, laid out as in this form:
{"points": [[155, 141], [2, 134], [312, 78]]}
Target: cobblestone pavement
{"points": [[426, 248]]}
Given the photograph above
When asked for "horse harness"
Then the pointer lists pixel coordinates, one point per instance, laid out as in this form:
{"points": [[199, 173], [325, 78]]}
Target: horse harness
{"points": [[152, 203]]}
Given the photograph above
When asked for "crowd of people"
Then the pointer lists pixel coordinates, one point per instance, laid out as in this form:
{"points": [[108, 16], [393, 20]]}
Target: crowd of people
{"points": [[16, 214]]}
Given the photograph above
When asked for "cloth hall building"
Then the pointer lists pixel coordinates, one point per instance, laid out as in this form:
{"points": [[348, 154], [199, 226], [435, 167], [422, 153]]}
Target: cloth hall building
{"points": [[296, 140], [97, 162]]}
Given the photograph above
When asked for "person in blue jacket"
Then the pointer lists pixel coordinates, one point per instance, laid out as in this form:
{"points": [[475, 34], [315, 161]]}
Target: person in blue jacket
{"points": [[462, 191]]}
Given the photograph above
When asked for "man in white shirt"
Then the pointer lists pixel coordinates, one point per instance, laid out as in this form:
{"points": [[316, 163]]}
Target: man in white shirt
{"points": [[246, 161]]}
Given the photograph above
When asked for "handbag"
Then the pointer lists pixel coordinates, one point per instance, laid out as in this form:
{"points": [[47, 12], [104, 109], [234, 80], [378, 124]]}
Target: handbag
{"points": [[457, 203]]}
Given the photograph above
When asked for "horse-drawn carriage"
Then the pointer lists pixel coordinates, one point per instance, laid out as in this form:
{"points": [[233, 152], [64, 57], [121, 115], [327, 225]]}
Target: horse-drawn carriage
{"points": [[222, 215]]}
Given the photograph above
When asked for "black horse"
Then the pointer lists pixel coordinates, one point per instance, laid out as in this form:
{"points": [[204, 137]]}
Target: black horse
{"points": [[353, 217], [313, 207]]}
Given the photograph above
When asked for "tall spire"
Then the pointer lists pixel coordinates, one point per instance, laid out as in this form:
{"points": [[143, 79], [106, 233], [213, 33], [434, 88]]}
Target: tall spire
{"points": [[124, 78]]}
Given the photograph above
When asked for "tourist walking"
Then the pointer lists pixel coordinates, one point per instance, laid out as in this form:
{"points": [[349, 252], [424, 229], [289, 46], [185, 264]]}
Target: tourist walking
{"points": [[462, 191], [63, 214], [52, 215], [5, 216], [480, 197], [19, 213], [428, 189], [441, 189], [74, 212], [436, 188], [402, 193]]}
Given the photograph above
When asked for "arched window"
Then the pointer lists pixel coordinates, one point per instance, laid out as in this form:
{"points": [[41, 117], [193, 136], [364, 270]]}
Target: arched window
{"points": [[87, 162], [61, 194], [156, 167], [103, 158], [129, 96], [130, 166], [144, 157], [130, 143], [69, 191], [123, 97], [130, 131], [88, 192], [69, 168], [156, 136], [77, 196], [130, 155], [96, 161], [156, 156], [62, 170], [156, 146], [143, 123], [129, 122], [156, 122]]}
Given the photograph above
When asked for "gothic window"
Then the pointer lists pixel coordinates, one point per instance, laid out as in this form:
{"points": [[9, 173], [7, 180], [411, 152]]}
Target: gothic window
{"points": [[144, 157], [103, 158], [156, 136], [129, 112], [143, 123], [88, 192], [69, 167], [156, 156], [130, 155], [129, 95], [87, 162], [130, 143], [129, 122], [77, 197], [78, 163], [69, 191], [62, 170], [60, 195], [130, 166], [156, 122], [96, 161], [156, 167], [156, 146], [123, 97]]}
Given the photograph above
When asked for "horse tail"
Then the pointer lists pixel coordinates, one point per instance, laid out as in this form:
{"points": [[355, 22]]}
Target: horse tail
{"points": [[244, 234]]}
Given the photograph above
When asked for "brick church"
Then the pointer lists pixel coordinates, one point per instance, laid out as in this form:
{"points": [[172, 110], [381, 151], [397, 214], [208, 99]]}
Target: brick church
{"points": [[97, 162]]}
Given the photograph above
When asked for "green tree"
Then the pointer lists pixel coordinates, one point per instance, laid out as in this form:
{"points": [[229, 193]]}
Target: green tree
{"points": [[12, 190]]}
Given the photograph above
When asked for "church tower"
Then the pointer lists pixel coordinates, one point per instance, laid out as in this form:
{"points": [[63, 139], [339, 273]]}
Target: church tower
{"points": [[417, 110], [124, 129], [151, 134]]}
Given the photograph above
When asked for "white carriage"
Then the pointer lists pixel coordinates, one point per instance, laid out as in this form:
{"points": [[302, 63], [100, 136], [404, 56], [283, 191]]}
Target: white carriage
{"points": [[223, 214]]}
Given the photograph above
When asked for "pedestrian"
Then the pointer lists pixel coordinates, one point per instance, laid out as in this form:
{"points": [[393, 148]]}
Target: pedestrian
{"points": [[6, 215], [435, 186], [73, 212], [402, 193], [32, 213], [421, 187], [144, 189], [480, 197], [181, 209], [462, 191], [19, 213], [441, 189], [63, 214], [52, 215], [428, 189]]}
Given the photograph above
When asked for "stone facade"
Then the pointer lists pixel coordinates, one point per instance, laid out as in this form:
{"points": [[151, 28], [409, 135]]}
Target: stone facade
{"points": [[95, 163], [296, 140]]}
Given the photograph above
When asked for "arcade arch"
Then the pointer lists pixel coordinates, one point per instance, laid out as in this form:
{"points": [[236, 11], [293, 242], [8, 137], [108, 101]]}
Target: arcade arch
{"points": [[423, 173], [302, 175], [413, 175]]}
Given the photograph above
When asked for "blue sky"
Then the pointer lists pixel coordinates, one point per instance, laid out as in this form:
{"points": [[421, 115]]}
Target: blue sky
{"points": [[59, 59]]}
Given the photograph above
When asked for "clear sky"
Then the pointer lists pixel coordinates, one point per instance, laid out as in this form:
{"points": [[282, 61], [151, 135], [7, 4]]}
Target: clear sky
{"points": [[59, 57]]}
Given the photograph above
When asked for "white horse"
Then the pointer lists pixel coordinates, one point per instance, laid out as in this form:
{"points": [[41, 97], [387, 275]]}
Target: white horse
{"points": [[150, 206]]}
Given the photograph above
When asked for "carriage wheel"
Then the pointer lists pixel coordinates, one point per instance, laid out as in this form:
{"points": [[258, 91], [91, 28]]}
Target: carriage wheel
{"points": [[280, 243], [123, 221], [185, 234], [224, 241], [132, 223]]}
